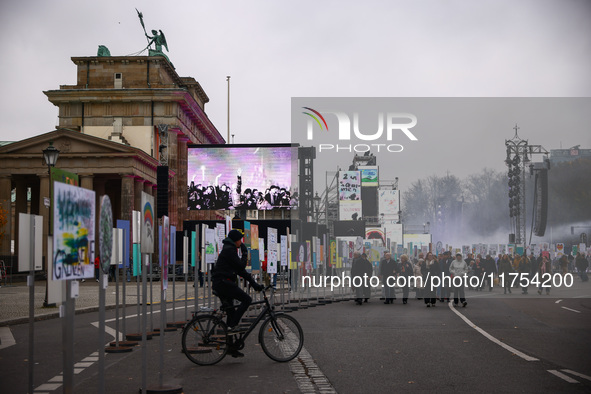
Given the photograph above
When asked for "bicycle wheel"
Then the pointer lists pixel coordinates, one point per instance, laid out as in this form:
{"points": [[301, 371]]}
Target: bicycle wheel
{"points": [[281, 337], [205, 340]]}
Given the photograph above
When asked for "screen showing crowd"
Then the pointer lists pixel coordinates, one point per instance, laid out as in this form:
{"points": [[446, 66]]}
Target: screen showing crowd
{"points": [[241, 177]]}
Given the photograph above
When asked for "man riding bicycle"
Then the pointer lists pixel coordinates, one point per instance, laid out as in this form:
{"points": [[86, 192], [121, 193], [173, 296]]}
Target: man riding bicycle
{"points": [[224, 280]]}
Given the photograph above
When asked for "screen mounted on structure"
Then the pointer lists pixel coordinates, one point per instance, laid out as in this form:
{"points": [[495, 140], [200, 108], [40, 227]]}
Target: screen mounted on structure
{"points": [[241, 177]]}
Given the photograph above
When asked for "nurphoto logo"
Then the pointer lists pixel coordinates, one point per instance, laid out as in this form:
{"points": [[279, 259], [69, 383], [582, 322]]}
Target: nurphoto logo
{"points": [[391, 123]]}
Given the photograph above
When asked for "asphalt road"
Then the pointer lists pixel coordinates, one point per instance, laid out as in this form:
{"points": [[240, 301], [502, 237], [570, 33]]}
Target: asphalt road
{"points": [[374, 348]]}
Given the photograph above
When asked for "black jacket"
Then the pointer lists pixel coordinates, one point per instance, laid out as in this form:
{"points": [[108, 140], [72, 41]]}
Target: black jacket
{"points": [[404, 269], [361, 266], [229, 265], [489, 266], [387, 267]]}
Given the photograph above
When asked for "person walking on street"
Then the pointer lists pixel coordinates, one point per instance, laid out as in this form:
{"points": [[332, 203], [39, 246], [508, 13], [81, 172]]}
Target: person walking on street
{"points": [[417, 273], [359, 269], [444, 264], [563, 261], [490, 268], [430, 269], [405, 270], [524, 269], [387, 270], [505, 269], [458, 267], [478, 271], [582, 264], [368, 272], [544, 270]]}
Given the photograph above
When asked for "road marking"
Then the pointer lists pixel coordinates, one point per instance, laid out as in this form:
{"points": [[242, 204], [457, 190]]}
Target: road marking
{"points": [[562, 376], [572, 310], [48, 387], [83, 364], [580, 375], [558, 302], [148, 313], [6, 338], [490, 337], [483, 295], [109, 331]]}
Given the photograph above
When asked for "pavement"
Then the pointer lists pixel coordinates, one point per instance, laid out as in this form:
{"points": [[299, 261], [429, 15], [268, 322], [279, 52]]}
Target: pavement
{"points": [[14, 298]]}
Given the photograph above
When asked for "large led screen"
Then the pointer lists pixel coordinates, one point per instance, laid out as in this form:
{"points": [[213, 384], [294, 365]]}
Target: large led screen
{"points": [[241, 177]]}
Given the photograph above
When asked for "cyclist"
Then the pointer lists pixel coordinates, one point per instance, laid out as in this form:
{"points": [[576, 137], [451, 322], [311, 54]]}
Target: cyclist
{"points": [[224, 280]]}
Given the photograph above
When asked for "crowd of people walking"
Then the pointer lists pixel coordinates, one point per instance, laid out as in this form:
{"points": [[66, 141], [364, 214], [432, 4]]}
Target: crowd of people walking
{"points": [[488, 268]]}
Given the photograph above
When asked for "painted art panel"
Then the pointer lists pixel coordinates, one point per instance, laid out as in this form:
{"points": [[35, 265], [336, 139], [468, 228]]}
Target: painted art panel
{"points": [[247, 234], [254, 236], [210, 246], [147, 228], [284, 252], [105, 234], [73, 229], [559, 249], [255, 261], [350, 210], [220, 235], [125, 226], [349, 185], [389, 202], [369, 175]]}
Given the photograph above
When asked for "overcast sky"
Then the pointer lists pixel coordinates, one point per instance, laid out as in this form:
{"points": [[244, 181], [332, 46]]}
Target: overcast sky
{"points": [[276, 50]]}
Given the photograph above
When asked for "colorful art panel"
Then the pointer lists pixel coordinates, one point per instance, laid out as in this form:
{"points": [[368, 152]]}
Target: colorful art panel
{"points": [[247, 233], [125, 226], [350, 210], [254, 236], [147, 229], [349, 185], [389, 202], [210, 246], [369, 175], [106, 234], [284, 251], [73, 229]]}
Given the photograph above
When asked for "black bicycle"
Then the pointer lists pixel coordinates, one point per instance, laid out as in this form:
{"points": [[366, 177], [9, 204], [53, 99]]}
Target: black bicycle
{"points": [[206, 339]]}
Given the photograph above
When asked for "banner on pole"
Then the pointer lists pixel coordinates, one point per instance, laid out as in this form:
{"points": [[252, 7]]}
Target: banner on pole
{"points": [[147, 227], [124, 225], [283, 257], [73, 232], [349, 185], [24, 248]]}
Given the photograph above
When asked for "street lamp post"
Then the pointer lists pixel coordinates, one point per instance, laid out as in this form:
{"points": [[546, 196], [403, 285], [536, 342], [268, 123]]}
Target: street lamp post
{"points": [[317, 200], [50, 154]]}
